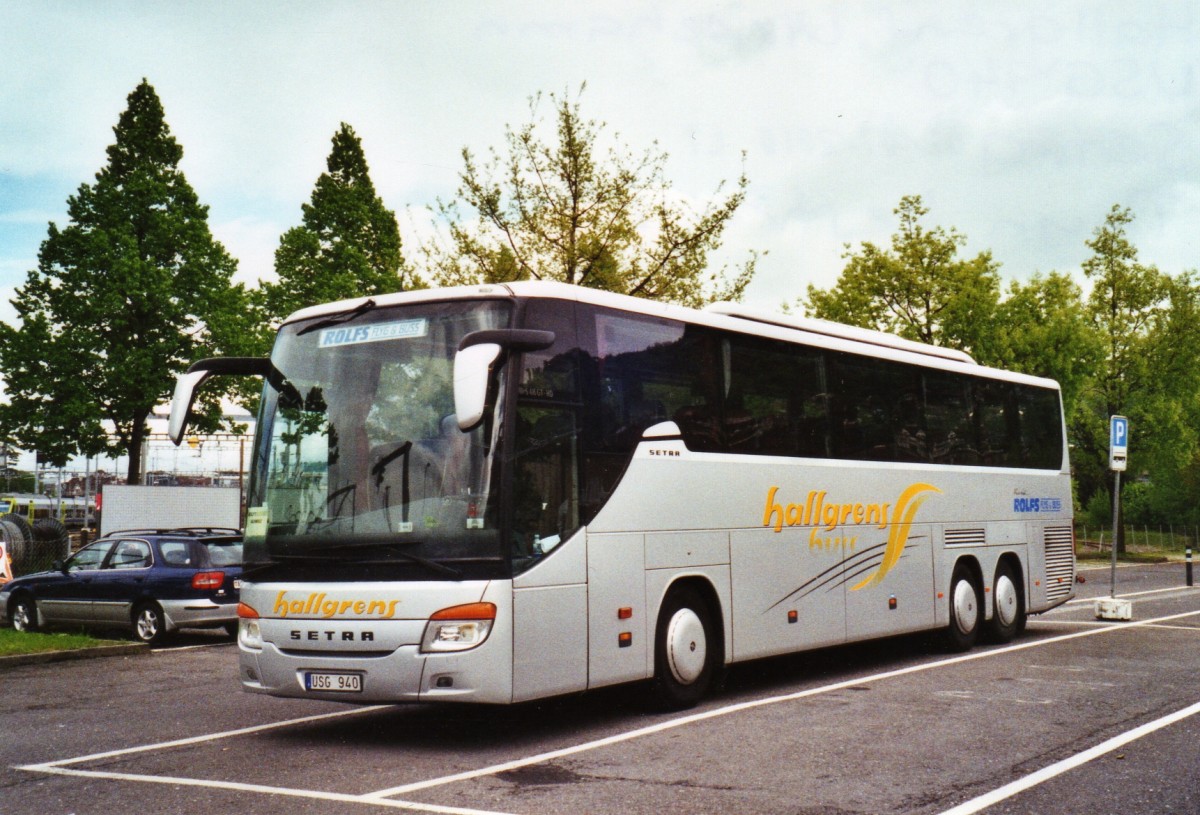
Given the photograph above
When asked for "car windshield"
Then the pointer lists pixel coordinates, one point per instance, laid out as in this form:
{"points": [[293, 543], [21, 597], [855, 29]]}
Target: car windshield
{"points": [[359, 455]]}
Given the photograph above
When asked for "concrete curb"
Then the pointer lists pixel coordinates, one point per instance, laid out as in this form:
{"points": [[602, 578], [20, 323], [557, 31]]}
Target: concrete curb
{"points": [[42, 657]]}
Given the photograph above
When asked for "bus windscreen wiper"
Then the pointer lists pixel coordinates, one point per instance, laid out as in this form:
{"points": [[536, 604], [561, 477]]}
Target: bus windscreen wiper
{"points": [[340, 317], [392, 546]]}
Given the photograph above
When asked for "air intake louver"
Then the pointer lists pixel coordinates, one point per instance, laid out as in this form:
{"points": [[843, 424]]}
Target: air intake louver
{"points": [[965, 537], [1060, 561]]}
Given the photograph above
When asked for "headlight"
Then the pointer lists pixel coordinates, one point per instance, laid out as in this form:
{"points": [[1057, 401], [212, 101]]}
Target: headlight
{"points": [[458, 628], [249, 633]]}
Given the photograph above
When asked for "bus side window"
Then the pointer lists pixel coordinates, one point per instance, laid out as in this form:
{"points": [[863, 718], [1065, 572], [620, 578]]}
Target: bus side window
{"points": [[948, 416], [774, 404]]}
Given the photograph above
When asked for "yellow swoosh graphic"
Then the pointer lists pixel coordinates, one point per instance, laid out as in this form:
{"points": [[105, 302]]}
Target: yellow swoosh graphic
{"points": [[906, 509]]}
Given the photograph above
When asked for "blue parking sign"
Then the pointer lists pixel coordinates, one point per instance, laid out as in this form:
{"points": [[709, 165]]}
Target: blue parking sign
{"points": [[1118, 442], [1118, 435]]}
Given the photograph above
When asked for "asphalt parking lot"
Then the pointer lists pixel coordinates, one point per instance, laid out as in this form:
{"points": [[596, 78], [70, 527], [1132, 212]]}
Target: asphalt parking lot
{"points": [[1078, 715]]}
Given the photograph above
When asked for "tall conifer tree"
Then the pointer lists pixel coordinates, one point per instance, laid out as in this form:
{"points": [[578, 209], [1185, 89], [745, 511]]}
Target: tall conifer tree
{"points": [[348, 244], [125, 296]]}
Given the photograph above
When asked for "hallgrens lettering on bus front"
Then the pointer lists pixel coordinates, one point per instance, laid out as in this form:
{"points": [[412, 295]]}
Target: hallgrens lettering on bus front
{"points": [[317, 604]]}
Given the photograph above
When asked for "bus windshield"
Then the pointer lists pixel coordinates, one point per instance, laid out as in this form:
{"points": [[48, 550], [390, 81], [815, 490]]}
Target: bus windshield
{"points": [[359, 459]]}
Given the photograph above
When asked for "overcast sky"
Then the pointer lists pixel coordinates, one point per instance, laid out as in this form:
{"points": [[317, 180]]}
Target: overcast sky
{"points": [[1020, 124]]}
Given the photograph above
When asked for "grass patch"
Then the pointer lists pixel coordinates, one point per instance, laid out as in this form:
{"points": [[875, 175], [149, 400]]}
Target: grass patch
{"points": [[13, 643]]}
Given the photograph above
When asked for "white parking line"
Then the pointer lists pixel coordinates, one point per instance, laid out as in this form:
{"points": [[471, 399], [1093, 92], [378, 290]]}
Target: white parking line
{"points": [[738, 708], [385, 797], [166, 745], [263, 789], [1078, 760], [1083, 600]]}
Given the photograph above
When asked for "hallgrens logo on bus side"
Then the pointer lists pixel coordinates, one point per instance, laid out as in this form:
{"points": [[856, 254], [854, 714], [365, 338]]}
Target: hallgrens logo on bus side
{"points": [[825, 516]]}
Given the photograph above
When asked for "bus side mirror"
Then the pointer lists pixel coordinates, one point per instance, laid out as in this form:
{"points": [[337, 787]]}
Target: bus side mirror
{"points": [[189, 381], [480, 353], [473, 367]]}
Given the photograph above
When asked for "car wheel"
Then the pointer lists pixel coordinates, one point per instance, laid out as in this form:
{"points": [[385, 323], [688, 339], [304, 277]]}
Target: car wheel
{"points": [[686, 650], [23, 614], [1008, 606], [149, 625], [966, 610]]}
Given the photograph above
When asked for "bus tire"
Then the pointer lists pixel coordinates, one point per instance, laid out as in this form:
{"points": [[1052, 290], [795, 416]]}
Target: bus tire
{"points": [[686, 650], [149, 624], [23, 613], [966, 610], [1008, 605]]}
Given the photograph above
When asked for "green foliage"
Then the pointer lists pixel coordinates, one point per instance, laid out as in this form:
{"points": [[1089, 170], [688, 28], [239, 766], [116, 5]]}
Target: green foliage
{"points": [[128, 294], [919, 288], [562, 209], [1146, 321], [1129, 347], [1041, 329], [348, 244]]}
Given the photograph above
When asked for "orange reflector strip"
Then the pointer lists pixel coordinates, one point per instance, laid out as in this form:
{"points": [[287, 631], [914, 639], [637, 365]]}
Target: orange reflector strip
{"points": [[246, 612], [624, 639], [793, 616], [470, 611], [624, 613]]}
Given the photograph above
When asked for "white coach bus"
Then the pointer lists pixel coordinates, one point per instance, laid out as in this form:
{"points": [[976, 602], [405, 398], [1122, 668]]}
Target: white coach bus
{"points": [[506, 492]]}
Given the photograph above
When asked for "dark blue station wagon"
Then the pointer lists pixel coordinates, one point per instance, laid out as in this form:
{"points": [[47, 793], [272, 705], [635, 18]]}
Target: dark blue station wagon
{"points": [[151, 582]]}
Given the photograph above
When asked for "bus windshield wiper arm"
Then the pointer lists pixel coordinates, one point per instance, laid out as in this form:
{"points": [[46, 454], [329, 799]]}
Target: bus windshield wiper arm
{"points": [[393, 546], [258, 566], [334, 319]]}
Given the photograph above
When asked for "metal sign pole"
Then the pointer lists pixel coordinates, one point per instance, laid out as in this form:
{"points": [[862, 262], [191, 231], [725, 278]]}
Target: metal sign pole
{"points": [[1111, 608], [1112, 583]]}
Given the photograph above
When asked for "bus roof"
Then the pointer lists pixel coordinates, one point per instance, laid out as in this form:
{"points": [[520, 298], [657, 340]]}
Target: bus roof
{"points": [[735, 316]]}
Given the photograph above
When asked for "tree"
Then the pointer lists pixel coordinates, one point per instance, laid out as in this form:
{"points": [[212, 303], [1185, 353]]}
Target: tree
{"points": [[563, 209], [130, 292], [1041, 328], [1147, 322], [348, 244], [918, 289]]}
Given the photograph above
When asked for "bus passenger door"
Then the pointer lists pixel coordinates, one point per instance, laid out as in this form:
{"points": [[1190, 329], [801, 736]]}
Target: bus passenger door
{"points": [[550, 613]]}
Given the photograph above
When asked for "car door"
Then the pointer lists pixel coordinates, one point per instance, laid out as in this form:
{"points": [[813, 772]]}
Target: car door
{"points": [[66, 596], [121, 582]]}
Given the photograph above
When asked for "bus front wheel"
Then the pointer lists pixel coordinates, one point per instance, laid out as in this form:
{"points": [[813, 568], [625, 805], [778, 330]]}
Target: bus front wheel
{"points": [[686, 650], [966, 610]]}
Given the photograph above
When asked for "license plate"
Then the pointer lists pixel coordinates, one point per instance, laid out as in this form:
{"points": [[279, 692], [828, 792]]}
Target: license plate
{"points": [[333, 682]]}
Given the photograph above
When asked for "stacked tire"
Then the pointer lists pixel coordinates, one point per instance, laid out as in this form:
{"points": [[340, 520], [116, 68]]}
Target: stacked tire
{"points": [[33, 548]]}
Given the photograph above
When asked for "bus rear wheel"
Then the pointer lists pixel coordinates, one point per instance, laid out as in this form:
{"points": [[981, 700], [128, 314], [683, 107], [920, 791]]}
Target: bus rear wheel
{"points": [[1008, 606], [966, 610], [686, 650]]}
